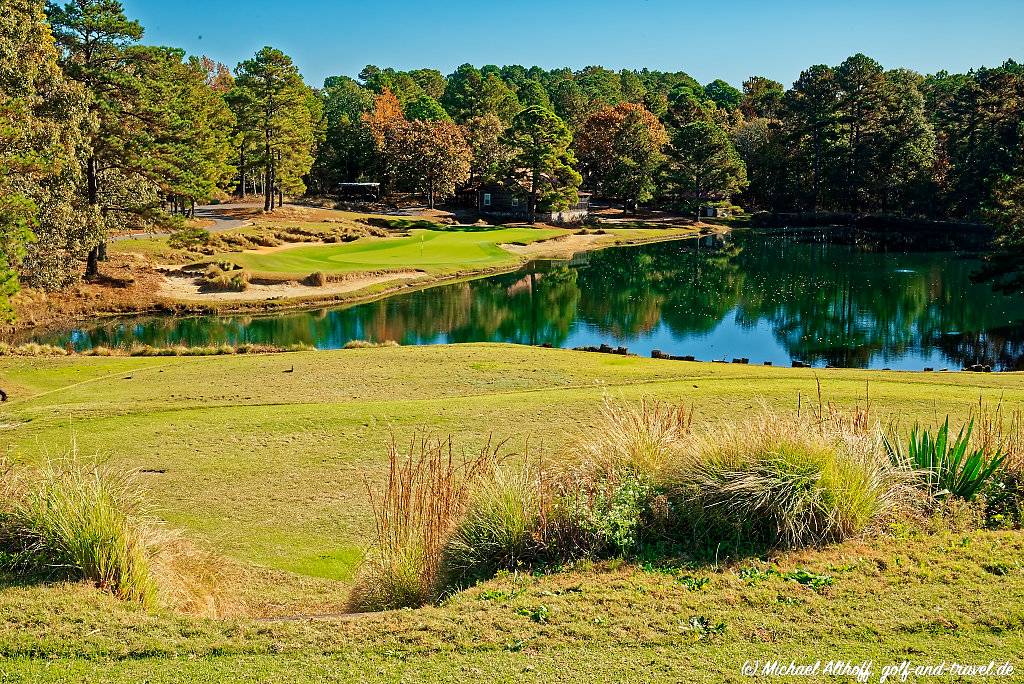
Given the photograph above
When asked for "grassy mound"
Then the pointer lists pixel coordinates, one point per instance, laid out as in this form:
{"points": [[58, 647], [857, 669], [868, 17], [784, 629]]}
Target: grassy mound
{"points": [[641, 485]]}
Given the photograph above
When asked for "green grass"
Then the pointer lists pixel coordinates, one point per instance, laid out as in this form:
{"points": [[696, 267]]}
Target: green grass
{"points": [[432, 251], [267, 468], [153, 247]]}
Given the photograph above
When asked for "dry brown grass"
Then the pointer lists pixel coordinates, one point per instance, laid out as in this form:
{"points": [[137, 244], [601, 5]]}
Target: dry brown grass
{"points": [[998, 429], [193, 580], [642, 438], [415, 513], [128, 284]]}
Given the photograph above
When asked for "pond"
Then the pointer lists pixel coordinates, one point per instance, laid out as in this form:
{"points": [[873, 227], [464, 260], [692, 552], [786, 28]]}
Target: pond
{"points": [[767, 297]]}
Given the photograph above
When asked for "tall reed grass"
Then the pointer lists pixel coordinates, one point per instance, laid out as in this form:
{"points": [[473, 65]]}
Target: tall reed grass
{"points": [[415, 514]]}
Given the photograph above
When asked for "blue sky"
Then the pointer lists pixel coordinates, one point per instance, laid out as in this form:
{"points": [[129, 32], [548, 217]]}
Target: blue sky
{"points": [[709, 40]]}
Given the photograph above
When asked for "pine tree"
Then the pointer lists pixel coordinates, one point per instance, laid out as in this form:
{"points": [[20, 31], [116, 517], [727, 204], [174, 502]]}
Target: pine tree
{"points": [[542, 160], [703, 163], [272, 105], [95, 38], [40, 121]]}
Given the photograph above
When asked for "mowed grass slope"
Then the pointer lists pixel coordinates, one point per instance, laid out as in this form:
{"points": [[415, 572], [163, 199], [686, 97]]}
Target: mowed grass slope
{"points": [[270, 466], [265, 459], [432, 251]]}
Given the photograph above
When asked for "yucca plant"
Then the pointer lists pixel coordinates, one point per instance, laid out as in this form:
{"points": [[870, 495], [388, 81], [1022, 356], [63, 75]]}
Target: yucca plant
{"points": [[947, 467]]}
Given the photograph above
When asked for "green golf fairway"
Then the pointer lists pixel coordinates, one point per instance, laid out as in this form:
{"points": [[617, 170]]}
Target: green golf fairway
{"points": [[433, 251]]}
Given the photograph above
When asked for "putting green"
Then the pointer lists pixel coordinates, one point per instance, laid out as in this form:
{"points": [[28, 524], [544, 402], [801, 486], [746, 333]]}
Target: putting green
{"points": [[433, 251]]}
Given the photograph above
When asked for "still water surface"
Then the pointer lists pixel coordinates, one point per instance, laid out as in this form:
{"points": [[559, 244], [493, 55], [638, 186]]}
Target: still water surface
{"points": [[771, 298]]}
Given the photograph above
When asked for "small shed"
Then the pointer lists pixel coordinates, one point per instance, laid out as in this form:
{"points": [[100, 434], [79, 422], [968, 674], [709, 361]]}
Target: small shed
{"points": [[709, 211], [363, 191]]}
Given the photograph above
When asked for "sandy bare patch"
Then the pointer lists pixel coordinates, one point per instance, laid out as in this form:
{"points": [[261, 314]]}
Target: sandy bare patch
{"points": [[563, 246], [186, 287]]}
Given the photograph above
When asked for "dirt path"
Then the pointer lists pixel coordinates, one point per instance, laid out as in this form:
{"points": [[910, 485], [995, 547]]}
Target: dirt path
{"points": [[186, 288]]}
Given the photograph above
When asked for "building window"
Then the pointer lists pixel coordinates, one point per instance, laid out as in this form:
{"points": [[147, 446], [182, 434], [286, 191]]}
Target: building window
{"points": [[515, 202], [487, 199]]}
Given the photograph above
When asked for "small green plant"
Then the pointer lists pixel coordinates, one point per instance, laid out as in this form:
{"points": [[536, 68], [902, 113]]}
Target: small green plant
{"points": [[693, 583], [539, 614], [701, 627], [999, 569], [810, 579], [501, 595], [947, 467], [754, 575]]}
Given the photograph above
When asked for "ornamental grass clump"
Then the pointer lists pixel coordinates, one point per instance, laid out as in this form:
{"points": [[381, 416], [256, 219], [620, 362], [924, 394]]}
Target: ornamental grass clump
{"points": [[501, 527], [82, 520], [638, 438], [784, 482]]}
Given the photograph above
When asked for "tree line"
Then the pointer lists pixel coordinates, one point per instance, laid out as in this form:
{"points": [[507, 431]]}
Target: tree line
{"points": [[100, 133]]}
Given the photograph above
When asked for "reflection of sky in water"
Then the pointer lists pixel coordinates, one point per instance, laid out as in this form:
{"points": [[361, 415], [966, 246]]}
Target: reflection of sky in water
{"points": [[767, 300]]}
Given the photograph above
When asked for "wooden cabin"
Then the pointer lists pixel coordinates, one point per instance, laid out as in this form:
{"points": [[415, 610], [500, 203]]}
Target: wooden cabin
{"points": [[501, 202]]}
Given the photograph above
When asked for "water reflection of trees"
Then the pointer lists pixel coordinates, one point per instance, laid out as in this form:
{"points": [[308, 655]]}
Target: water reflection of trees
{"points": [[688, 287], [824, 303], [836, 304]]}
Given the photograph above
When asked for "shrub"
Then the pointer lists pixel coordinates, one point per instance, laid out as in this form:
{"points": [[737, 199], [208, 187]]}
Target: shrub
{"points": [[600, 517], [31, 349], [785, 482], [318, 279], [1004, 502], [500, 529], [364, 344], [87, 520], [217, 279], [947, 467], [189, 238]]}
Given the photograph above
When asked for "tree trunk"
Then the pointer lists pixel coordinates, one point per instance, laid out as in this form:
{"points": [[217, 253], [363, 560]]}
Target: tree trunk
{"points": [[268, 190], [533, 198], [92, 268], [241, 173], [280, 196]]}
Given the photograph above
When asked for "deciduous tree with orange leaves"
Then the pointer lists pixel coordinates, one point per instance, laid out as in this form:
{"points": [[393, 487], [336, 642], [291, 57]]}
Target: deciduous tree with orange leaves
{"points": [[620, 152]]}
